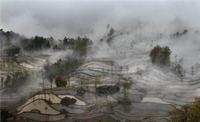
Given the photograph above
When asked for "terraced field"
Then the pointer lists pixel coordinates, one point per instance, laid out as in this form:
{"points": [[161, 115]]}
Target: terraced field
{"points": [[153, 94]]}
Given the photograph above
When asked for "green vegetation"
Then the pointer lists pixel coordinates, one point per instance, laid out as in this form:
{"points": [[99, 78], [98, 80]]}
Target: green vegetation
{"points": [[14, 74], [179, 34], [126, 85], [62, 68], [6, 37], [11, 67], [12, 51], [10, 38], [60, 81], [16, 79], [179, 71], [110, 35], [188, 113], [79, 45], [126, 100], [160, 55], [36, 43]]}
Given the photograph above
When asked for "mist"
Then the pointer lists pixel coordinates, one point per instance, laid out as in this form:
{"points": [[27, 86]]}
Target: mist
{"points": [[59, 18], [139, 21], [92, 43]]}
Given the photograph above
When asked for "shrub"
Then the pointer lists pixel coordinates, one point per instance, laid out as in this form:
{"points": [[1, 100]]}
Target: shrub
{"points": [[188, 113], [60, 81]]}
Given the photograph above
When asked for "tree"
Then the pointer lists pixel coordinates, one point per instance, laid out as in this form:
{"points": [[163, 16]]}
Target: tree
{"points": [[166, 56], [110, 35], [60, 81], [126, 86], [192, 72], [160, 55], [79, 45], [37, 43], [179, 71]]}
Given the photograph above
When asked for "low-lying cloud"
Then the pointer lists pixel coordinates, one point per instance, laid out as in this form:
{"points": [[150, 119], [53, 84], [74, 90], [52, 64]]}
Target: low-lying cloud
{"points": [[138, 20], [59, 18]]}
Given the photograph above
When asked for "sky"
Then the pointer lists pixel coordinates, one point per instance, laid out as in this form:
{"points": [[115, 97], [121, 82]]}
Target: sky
{"points": [[59, 18]]}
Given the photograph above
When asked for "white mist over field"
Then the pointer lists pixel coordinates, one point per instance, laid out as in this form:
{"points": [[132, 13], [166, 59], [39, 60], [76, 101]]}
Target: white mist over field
{"points": [[138, 25]]}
